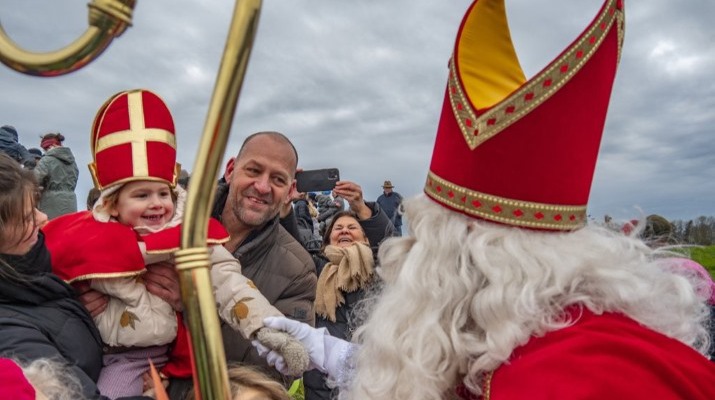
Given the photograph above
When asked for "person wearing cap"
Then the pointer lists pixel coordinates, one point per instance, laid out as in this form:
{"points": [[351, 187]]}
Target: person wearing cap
{"points": [[37, 153], [502, 290], [390, 202], [134, 223], [57, 175], [10, 145]]}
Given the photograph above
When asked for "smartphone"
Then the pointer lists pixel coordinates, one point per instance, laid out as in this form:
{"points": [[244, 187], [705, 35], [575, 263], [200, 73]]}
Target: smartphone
{"points": [[317, 180]]}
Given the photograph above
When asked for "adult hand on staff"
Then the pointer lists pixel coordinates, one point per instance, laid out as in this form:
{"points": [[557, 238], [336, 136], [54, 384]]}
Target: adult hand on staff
{"points": [[95, 302], [352, 193], [162, 280]]}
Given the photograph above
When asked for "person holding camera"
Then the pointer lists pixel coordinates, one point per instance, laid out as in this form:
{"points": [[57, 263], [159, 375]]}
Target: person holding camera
{"points": [[345, 266]]}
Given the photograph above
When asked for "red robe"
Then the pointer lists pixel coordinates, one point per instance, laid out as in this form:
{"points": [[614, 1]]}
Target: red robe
{"points": [[607, 356], [84, 248]]}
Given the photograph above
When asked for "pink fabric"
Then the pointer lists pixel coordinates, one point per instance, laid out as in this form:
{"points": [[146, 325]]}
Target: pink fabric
{"points": [[13, 382], [700, 271]]}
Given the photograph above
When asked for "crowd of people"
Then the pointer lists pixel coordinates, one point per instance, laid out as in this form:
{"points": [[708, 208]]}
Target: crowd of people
{"points": [[500, 288]]}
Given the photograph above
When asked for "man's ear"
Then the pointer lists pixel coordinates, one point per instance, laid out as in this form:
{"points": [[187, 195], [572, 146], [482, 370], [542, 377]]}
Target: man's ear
{"points": [[228, 172], [292, 193]]}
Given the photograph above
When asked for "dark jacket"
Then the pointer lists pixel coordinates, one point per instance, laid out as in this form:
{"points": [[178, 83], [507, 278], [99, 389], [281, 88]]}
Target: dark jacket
{"points": [[390, 203], [10, 145], [377, 228], [282, 270], [40, 318], [57, 174]]}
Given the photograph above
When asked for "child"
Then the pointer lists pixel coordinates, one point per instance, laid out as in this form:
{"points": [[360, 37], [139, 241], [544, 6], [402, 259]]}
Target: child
{"points": [[134, 150]]}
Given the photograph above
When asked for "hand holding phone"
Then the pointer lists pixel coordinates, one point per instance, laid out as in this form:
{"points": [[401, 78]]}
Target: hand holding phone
{"points": [[316, 180]]}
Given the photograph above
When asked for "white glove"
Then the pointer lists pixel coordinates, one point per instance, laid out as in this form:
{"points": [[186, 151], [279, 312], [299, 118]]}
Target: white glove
{"points": [[324, 350]]}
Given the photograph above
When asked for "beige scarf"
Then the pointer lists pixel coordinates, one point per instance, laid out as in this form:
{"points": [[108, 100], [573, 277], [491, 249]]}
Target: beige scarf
{"points": [[349, 269]]}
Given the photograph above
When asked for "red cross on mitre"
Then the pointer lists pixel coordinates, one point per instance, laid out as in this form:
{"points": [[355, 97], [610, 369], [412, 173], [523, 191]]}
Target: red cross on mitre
{"points": [[133, 138]]}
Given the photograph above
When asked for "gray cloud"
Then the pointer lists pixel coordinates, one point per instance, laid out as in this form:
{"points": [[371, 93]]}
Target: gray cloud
{"points": [[359, 85]]}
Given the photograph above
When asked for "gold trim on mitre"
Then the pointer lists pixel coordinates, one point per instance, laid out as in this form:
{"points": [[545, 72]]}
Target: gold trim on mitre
{"points": [[475, 128], [504, 210]]}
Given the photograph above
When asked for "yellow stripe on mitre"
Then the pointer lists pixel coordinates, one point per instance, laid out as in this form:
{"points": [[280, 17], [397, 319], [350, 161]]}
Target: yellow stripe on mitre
{"points": [[485, 59]]}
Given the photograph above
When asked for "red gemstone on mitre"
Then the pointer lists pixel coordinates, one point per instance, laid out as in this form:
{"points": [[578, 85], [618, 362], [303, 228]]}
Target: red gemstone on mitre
{"points": [[518, 213], [579, 54], [572, 217], [510, 109], [476, 203], [468, 122], [564, 68], [558, 217], [496, 209], [439, 189], [450, 194], [529, 96], [475, 132], [460, 107], [547, 83], [539, 215], [463, 199], [491, 121]]}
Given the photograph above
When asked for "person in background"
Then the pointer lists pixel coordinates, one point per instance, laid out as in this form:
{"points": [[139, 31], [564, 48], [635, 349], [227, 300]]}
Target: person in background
{"points": [[10, 145], [57, 175], [345, 265], [390, 201], [503, 290], [39, 315], [37, 153]]}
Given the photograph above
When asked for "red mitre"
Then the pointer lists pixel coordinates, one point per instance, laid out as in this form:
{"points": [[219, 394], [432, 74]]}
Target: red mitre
{"points": [[518, 152], [84, 248], [133, 138]]}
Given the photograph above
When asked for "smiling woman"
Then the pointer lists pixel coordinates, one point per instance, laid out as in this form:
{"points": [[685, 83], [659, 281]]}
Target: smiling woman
{"points": [[345, 267], [39, 316]]}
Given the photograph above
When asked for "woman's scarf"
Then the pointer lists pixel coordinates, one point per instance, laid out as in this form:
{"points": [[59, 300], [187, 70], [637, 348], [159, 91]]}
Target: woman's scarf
{"points": [[348, 269]]}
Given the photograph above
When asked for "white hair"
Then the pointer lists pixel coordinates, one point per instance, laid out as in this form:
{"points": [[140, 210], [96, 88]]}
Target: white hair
{"points": [[461, 294], [53, 379]]}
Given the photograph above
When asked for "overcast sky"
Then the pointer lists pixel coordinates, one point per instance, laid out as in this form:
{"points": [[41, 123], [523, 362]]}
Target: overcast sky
{"points": [[359, 84]]}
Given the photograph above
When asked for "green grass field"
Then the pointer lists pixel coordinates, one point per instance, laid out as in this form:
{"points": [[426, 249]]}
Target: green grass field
{"points": [[705, 256]]}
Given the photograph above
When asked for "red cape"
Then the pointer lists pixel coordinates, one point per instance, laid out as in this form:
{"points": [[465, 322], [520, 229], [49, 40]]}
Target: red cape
{"points": [[84, 248], [607, 356]]}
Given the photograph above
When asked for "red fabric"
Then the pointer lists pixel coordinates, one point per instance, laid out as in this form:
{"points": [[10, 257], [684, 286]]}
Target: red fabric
{"points": [[547, 156], [82, 247], [13, 382], [180, 363], [604, 357], [116, 163], [170, 238], [51, 141]]}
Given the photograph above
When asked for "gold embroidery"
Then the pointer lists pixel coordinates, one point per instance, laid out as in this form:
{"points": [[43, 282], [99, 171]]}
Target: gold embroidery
{"points": [[504, 210], [477, 129], [487, 392]]}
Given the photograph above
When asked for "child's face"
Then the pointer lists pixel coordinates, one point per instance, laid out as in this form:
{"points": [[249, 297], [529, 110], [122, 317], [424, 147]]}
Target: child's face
{"points": [[144, 203]]}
